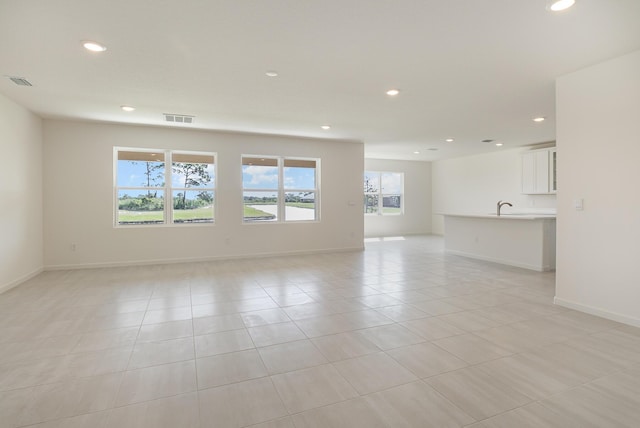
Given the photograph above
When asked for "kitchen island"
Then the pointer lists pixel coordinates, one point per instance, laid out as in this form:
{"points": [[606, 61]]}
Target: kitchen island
{"points": [[523, 240]]}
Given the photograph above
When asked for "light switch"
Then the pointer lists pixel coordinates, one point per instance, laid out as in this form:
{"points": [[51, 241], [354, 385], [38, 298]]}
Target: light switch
{"points": [[578, 204]]}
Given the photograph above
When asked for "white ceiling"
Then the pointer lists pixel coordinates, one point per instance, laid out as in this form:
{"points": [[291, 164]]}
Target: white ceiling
{"points": [[467, 69]]}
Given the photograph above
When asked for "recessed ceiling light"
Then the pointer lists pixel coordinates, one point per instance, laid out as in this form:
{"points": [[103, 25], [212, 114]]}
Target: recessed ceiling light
{"points": [[558, 5], [449, 140], [272, 73], [127, 108], [416, 153], [393, 92], [498, 144], [326, 127], [539, 119], [93, 46]]}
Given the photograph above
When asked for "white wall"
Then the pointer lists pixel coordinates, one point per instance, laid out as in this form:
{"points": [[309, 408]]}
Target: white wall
{"points": [[20, 193], [598, 135], [474, 184], [78, 176], [417, 200]]}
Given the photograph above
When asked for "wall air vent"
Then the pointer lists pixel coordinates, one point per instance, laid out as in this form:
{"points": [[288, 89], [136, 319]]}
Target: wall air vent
{"points": [[178, 118], [21, 81]]}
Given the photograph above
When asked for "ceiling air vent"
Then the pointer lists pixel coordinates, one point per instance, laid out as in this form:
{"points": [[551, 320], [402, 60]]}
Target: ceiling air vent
{"points": [[178, 118], [21, 81]]}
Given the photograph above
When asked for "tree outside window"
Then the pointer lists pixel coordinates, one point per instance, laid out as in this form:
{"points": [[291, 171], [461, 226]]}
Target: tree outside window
{"points": [[145, 179], [383, 193], [192, 177]]}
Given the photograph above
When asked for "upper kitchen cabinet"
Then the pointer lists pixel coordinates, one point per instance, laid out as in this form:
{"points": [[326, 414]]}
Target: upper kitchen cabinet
{"points": [[539, 171]]}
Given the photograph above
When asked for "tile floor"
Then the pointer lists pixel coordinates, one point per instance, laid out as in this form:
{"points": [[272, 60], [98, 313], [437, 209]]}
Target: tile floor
{"points": [[399, 335]]}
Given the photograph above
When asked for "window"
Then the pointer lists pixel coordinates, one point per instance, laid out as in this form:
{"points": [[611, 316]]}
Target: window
{"points": [[279, 189], [260, 179], [140, 187], [163, 187], [192, 186], [383, 193]]}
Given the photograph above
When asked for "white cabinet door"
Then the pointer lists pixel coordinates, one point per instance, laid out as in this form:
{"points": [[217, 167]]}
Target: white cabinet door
{"points": [[553, 175], [528, 173], [542, 171], [536, 172]]}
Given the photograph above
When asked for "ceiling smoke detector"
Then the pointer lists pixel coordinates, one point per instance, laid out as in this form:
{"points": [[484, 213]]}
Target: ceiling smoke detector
{"points": [[20, 81], [178, 118]]}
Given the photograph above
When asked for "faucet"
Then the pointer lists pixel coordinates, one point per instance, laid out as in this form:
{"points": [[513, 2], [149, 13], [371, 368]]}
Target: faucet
{"points": [[500, 204]]}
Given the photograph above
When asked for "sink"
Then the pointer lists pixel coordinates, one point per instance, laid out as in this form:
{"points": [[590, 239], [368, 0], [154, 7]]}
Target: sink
{"points": [[523, 215], [511, 214]]}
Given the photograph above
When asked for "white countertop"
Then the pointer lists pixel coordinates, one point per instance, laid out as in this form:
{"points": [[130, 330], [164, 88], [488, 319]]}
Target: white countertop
{"points": [[506, 216]]}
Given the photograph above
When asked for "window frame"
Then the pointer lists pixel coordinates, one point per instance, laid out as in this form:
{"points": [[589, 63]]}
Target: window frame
{"points": [[281, 190], [381, 194], [167, 188]]}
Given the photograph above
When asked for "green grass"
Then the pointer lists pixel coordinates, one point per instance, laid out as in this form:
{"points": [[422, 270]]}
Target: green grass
{"points": [[141, 217], [250, 212], [311, 205], [204, 213], [125, 217]]}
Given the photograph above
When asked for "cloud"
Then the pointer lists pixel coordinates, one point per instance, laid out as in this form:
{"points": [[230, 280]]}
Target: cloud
{"points": [[261, 174], [392, 183]]}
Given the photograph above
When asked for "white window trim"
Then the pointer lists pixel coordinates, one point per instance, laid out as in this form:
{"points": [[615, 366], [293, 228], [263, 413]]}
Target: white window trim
{"points": [[281, 190], [167, 188]]}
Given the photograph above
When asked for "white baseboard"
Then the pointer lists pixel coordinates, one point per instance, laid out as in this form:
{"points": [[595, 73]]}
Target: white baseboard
{"points": [[613, 316], [500, 261], [198, 259], [16, 282]]}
